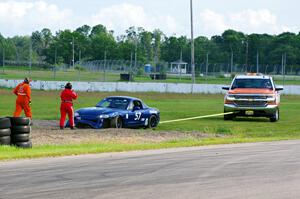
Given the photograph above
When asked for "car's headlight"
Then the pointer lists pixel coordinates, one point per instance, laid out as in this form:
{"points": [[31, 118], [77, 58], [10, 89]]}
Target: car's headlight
{"points": [[271, 97], [104, 116], [113, 114], [76, 114], [230, 97]]}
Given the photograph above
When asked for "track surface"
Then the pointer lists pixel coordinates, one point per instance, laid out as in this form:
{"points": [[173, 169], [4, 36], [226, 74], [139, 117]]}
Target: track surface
{"points": [[252, 171]]}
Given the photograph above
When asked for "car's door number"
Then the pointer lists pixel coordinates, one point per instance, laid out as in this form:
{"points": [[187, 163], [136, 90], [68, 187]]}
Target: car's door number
{"points": [[138, 115]]}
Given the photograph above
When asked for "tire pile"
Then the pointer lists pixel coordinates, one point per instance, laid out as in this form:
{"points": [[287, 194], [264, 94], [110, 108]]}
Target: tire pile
{"points": [[15, 131], [5, 131]]}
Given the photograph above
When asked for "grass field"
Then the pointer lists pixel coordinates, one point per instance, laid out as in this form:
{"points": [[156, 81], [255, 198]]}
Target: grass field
{"points": [[45, 105], [21, 72]]}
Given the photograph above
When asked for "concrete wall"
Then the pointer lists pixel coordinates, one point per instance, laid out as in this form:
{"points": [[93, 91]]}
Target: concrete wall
{"points": [[134, 87]]}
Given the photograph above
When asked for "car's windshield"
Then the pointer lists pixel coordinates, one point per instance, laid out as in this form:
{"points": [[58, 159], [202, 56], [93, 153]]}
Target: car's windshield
{"points": [[252, 83], [118, 103]]}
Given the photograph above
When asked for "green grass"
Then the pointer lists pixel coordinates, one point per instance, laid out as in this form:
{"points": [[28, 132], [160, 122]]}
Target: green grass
{"points": [[71, 75], [45, 105], [13, 153]]}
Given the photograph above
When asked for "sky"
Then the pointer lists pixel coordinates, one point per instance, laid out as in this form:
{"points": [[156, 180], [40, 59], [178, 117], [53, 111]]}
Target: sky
{"points": [[211, 17]]}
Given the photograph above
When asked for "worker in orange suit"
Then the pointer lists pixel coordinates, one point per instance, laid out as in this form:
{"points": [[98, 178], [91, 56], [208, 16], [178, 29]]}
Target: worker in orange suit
{"points": [[23, 101], [67, 96]]}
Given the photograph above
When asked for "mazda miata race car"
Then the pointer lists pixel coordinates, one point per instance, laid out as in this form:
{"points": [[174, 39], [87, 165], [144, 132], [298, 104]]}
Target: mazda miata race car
{"points": [[117, 112]]}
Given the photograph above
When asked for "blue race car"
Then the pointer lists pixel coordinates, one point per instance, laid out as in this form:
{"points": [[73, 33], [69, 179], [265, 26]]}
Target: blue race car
{"points": [[117, 112]]}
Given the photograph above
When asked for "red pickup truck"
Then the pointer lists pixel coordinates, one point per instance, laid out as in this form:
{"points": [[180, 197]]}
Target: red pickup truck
{"points": [[252, 95]]}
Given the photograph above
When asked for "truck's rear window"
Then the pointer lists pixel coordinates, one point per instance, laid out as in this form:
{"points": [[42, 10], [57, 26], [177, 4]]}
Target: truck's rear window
{"points": [[252, 83]]}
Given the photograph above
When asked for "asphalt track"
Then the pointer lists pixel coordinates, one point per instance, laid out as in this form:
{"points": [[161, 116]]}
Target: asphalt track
{"points": [[252, 171]]}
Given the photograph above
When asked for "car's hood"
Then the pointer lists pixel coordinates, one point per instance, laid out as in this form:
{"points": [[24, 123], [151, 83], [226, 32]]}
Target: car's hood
{"points": [[251, 91], [96, 111]]}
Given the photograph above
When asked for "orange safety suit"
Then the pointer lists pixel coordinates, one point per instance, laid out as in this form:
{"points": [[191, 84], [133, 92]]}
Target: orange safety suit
{"points": [[23, 101], [67, 96]]}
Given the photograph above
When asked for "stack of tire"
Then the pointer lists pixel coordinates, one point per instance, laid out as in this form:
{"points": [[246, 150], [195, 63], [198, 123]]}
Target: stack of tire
{"points": [[20, 132], [5, 131]]}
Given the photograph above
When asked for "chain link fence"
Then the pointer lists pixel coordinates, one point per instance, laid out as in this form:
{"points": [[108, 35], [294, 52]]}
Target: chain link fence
{"points": [[126, 70]]}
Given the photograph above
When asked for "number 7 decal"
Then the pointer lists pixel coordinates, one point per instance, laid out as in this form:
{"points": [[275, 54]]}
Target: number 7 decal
{"points": [[138, 116]]}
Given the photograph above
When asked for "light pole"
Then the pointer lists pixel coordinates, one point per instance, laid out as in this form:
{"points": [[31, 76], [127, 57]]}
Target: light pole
{"points": [[104, 67], [130, 70], [206, 68], [135, 53], [3, 56], [257, 62], [55, 55], [73, 53], [231, 60], [246, 58], [192, 44], [30, 54]]}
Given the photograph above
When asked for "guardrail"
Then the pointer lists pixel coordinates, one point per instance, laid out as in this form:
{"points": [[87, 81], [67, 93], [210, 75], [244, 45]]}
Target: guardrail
{"points": [[135, 87]]}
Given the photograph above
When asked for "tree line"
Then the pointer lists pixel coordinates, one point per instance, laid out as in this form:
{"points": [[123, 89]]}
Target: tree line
{"points": [[98, 43]]}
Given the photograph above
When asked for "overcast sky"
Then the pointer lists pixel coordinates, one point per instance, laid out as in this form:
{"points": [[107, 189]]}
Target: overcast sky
{"points": [[212, 17]]}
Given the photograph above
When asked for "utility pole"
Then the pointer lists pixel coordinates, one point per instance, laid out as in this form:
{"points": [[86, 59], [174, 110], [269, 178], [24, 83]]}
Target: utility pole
{"points": [[130, 69], [3, 57], [135, 53], [206, 67], [180, 69], [181, 55], [55, 55], [192, 44], [246, 56], [73, 53], [282, 63], [30, 54], [284, 67], [155, 61], [231, 61], [79, 57], [104, 71], [257, 62], [247, 47]]}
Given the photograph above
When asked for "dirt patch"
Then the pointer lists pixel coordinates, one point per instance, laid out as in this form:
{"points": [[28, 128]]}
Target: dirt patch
{"points": [[45, 132]]}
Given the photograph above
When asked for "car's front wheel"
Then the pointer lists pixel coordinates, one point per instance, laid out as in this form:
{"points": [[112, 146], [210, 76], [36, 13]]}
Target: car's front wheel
{"points": [[116, 122], [153, 121], [275, 116]]}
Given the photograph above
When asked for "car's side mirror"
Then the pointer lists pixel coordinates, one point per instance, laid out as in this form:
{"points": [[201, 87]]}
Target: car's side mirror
{"points": [[225, 88], [279, 88]]}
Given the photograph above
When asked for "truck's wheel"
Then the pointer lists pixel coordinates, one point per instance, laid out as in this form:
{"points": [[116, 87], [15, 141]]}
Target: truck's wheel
{"points": [[228, 116], [275, 116]]}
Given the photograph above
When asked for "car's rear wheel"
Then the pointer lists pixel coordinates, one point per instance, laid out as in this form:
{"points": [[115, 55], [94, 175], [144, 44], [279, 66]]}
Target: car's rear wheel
{"points": [[275, 116], [116, 122], [153, 121]]}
